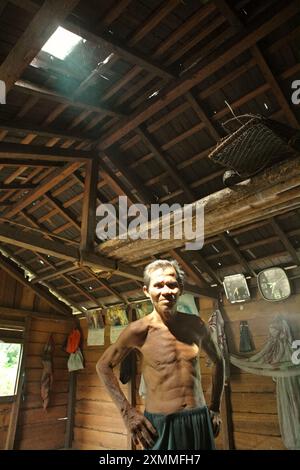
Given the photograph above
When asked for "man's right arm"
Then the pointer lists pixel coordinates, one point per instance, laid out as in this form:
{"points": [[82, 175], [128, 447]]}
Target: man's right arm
{"points": [[139, 427]]}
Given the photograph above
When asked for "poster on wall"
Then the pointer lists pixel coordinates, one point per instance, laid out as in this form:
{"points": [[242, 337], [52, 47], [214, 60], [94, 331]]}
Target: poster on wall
{"points": [[95, 336], [117, 319]]}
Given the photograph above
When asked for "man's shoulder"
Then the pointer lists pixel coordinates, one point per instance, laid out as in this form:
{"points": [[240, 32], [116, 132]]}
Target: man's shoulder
{"points": [[139, 327]]}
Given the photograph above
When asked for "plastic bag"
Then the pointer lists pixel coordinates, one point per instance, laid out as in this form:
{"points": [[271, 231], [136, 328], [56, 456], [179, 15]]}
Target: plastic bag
{"points": [[75, 361]]}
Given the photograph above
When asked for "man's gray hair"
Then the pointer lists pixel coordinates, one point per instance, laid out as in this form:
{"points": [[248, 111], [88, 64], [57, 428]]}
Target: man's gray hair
{"points": [[163, 264]]}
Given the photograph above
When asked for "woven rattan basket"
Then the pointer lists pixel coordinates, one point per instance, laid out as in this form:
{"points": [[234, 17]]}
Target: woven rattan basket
{"points": [[257, 144]]}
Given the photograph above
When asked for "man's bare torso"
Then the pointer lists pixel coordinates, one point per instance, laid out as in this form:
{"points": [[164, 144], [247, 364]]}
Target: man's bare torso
{"points": [[170, 364]]}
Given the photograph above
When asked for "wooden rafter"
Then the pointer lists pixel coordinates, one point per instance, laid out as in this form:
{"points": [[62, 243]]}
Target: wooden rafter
{"points": [[43, 25], [36, 152], [199, 74], [234, 249], [33, 242], [41, 292], [49, 183], [163, 161], [286, 242]]}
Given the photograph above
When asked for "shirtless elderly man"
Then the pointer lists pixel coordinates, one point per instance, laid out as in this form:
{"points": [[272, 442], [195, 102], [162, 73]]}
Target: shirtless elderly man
{"points": [[176, 416]]}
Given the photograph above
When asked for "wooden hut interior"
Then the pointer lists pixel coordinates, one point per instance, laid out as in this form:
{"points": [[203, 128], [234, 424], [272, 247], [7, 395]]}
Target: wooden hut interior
{"points": [[119, 104]]}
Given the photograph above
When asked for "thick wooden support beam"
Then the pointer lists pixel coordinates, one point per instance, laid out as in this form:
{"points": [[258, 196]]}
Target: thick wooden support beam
{"points": [[17, 187], [48, 132], [43, 25], [269, 193], [33, 242], [37, 152]]}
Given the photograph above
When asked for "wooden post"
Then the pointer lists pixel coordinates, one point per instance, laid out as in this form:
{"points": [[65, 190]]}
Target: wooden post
{"points": [[88, 222], [12, 427], [71, 410]]}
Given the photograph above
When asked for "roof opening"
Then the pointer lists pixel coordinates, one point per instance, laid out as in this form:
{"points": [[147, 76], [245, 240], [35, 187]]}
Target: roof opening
{"points": [[61, 43]]}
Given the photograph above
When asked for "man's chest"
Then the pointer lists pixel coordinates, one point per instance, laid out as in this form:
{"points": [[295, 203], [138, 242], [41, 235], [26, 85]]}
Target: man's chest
{"points": [[162, 347]]}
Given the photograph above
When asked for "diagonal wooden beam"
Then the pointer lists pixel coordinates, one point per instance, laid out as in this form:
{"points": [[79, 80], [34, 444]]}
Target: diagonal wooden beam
{"points": [[202, 115], [65, 212], [278, 93], [204, 266], [131, 176], [33, 242], [163, 161], [43, 25], [116, 45], [233, 248], [49, 183], [199, 74], [236, 22], [17, 274], [192, 272], [285, 241]]}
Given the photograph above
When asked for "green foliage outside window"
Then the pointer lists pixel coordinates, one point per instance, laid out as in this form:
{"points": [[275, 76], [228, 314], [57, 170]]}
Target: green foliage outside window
{"points": [[9, 364]]}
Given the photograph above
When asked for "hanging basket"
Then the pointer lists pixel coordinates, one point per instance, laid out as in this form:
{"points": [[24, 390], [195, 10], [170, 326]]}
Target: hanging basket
{"points": [[256, 145]]}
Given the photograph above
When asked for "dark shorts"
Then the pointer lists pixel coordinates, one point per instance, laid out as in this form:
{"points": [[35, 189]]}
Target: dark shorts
{"points": [[185, 430]]}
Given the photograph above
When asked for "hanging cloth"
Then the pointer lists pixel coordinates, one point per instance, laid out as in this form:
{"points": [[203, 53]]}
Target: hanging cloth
{"points": [[216, 326], [274, 360], [246, 342], [47, 373]]}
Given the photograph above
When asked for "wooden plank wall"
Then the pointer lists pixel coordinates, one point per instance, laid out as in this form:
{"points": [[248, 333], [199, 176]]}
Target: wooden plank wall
{"points": [[37, 429], [253, 398], [98, 423]]}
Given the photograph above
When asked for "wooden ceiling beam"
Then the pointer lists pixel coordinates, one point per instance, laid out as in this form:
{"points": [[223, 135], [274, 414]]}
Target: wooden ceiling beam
{"points": [[89, 206], [33, 242], [235, 251], [163, 161], [46, 20], [26, 127], [236, 22], [116, 45], [273, 84], [63, 211], [16, 187], [198, 75], [37, 152], [48, 184], [285, 241], [17, 274], [29, 163], [30, 88], [114, 156], [105, 285], [202, 115]]}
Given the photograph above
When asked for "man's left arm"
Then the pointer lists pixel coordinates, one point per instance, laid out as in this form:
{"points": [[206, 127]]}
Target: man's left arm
{"points": [[218, 371]]}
